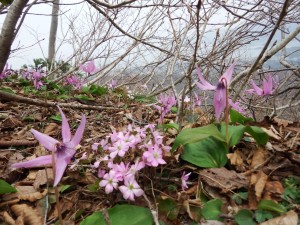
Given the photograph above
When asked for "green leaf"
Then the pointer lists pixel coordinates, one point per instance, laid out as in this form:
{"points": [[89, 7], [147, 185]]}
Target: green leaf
{"points": [[235, 133], [263, 215], [236, 117], [170, 126], [98, 90], [271, 206], [95, 218], [7, 90], [208, 153], [244, 217], [64, 188], [174, 109], [258, 134], [212, 209], [84, 97], [192, 135], [129, 214], [6, 188], [93, 187], [239, 197], [169, 208], [56, 118]]}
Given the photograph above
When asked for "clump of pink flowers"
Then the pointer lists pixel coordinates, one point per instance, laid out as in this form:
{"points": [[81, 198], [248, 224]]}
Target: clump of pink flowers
{"points": [[35, 76], [74, 81], [165, 104], [6, 72], [122, 154]]}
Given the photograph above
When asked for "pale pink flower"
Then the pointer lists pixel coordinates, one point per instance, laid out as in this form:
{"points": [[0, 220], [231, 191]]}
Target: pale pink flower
{"points": [[90, 68], [184, 179], [110, 182], [153, 157], [267, 88], [119, 148], [130, 189]]}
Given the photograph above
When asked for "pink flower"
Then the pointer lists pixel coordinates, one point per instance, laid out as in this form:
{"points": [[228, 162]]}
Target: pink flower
{"points": [[153, 157], [90, 68], [121, 170], [74, 80], [236, 106], [112, 84], [130, 188], [110, 182], [63, 151], [220, 89], [5, 73], [267, 88], [138, 165], [118, 148], [184, 179]]}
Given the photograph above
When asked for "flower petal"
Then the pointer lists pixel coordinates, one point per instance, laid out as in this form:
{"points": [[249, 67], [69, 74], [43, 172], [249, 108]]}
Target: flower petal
{"points": [[228, 73], [65, 130], [39, 161], [258, 90], [267, 85], [219, 100], [79, 133], [63, 158], [204, 85], [46, 141]]}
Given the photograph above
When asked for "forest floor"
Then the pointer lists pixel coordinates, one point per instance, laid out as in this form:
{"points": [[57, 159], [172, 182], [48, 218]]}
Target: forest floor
{"points": [[252, 173]]}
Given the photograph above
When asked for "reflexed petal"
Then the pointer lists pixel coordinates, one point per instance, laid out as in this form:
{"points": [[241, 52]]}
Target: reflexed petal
{"points": [[268, 85], [228, 73], [204, 85], [39, 161], [258, 90], [46, 141], [65, 130], [79, 133]]}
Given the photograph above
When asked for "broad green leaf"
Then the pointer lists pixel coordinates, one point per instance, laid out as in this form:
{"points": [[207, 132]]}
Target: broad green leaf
{"points": [[212, 209], [192, 135], [169, 208], [235, 133], [98, 90], [271, 206], [263, 215], [236, 117], [244, 217], [130, 214], [208, 153], [258, 134], [95, 218], [170, 126], [6, 188]]}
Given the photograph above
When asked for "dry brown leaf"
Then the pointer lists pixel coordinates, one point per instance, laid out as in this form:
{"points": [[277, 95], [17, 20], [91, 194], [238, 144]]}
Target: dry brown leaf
{"points": [[235, 158], [282, 122], [31, 217], [41, 178], [10, 202], [273, 191], [52, 129], [7, 218], [223, 178], [20, 220], [290, 218], [259, 157], [259, 181], [32, 197], [271, 134]]}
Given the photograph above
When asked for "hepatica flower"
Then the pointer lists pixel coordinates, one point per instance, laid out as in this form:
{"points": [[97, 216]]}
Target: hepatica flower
{"points": [[63, 151], [184, 179], [220, 90]]}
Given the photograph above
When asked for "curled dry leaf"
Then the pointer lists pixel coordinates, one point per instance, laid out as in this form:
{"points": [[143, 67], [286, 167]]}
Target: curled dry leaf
{"points": [[282, 122], [31, 217], [32, 197], [290, 218], [52, 129], [259, 181], [20, 220], [259, 157], [273, 190], [7, 218]]}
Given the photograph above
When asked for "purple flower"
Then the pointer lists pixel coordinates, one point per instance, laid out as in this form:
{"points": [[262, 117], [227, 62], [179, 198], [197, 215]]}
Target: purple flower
{"points": [[267, 88], [90, 68], [184, 179], [112, 84], [74, 80], [37, 76], [236, 106], [5, 73], [130, 188], [166, 103], [220, 89], [153, 157], [63, 151]]}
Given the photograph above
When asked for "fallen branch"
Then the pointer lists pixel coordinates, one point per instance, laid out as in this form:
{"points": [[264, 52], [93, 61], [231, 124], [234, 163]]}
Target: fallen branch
{"points": [[16, 98], [17, 143]]}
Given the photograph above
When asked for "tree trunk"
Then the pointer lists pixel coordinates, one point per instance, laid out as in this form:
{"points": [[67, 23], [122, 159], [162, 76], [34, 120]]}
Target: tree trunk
{"points": [[8, 29], [53, 32]]}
